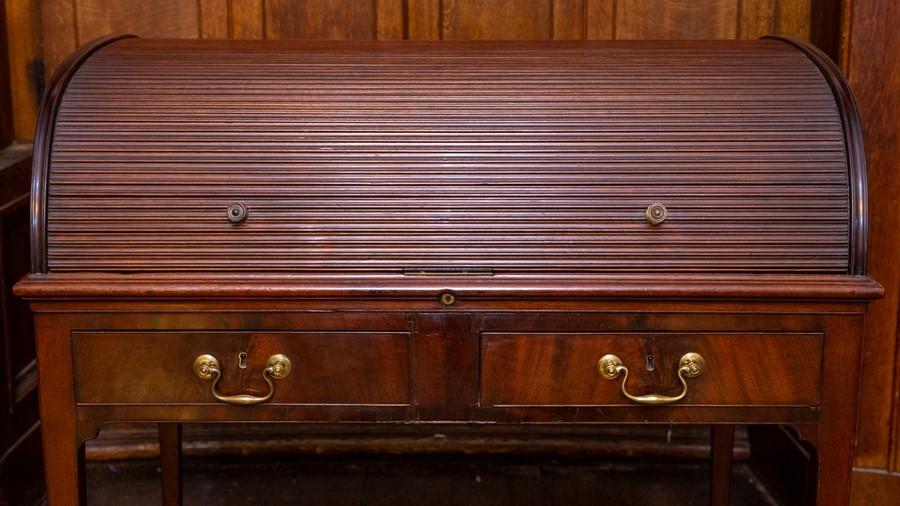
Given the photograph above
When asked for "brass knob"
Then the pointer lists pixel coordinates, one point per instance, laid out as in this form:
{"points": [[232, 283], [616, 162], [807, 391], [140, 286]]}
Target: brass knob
{"points": [[237, 213], [656, 214]]}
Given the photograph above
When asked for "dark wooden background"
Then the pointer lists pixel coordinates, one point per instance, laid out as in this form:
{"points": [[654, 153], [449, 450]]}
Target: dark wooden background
{"points": [[859, 34]]}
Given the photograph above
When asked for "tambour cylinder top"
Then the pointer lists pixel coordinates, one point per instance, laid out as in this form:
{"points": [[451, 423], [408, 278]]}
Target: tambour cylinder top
{"points": [[441, 157]]}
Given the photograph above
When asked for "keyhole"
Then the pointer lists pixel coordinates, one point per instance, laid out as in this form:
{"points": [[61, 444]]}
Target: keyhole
{"points": [[651, 363], [242, 360], [447, 299]]}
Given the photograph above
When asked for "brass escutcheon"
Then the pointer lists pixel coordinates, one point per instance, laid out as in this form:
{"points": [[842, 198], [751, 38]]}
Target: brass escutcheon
{"points": [[447, 299]]}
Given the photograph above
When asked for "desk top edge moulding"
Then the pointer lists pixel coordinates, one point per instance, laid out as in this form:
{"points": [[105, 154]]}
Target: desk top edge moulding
{"points": [[449, 232]]}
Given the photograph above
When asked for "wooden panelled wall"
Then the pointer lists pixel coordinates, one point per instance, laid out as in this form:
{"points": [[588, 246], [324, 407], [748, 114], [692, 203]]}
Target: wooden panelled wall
{"points": [[42, 32], [870, 57]]}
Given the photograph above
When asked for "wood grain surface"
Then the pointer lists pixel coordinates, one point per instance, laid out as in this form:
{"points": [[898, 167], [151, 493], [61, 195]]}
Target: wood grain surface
{"points": [[320, 19], [496, 19], [26, 68], [246, 19], [160, 18], [692, 19]]}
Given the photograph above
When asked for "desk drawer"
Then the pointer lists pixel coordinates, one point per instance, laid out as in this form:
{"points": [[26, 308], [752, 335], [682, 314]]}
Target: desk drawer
{"points": [[158, 367], [540, 369]]}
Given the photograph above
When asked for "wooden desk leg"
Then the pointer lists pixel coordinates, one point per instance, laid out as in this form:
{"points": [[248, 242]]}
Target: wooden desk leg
{"points": [[722, 450], [170, 462], [64, 469], [837, 417], [63, 449]]}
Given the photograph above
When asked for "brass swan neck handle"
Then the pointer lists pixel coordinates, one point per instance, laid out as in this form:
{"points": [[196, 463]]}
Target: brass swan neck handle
{"points": [[207, 367], [691, 365]]}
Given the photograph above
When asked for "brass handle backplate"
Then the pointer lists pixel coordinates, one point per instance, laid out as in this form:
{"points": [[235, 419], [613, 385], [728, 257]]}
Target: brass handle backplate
{"points": [[207, 367], [691, 365]]}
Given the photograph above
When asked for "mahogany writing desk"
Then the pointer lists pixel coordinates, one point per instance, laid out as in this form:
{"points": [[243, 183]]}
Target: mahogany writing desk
{"points": [[479, 233]]}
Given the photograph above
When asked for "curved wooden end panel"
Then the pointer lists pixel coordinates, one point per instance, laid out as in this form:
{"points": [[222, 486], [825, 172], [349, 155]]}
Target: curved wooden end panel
{"points": [[43, 140], [856, 157]]}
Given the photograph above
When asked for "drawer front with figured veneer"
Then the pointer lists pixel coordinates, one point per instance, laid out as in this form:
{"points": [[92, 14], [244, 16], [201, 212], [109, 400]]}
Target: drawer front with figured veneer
{"points": [[546, 369], [365, 368]]}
